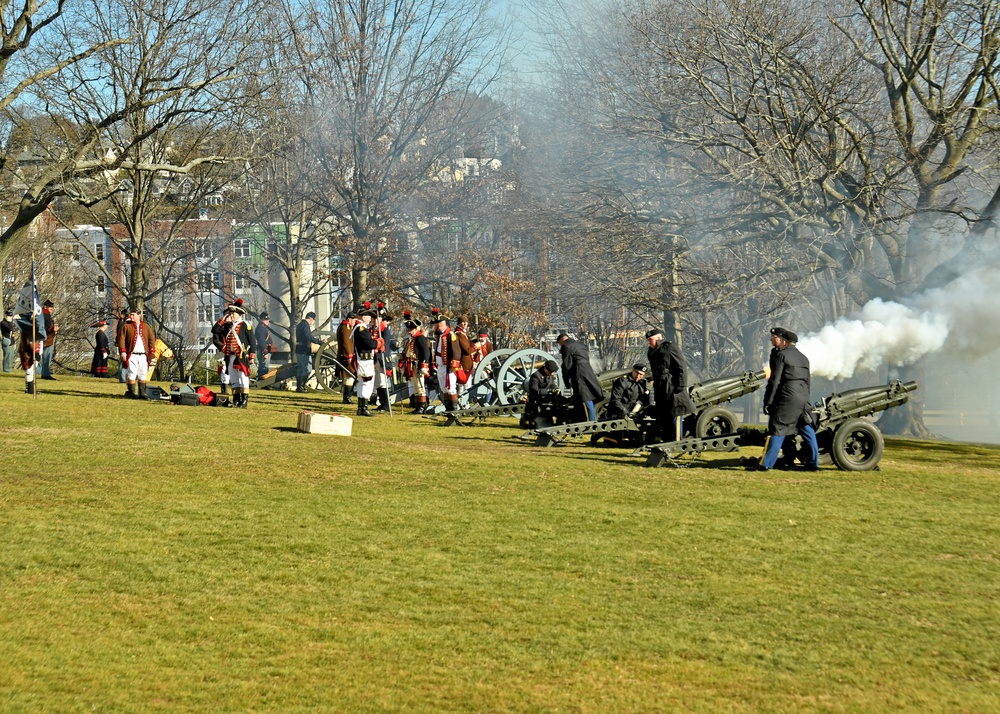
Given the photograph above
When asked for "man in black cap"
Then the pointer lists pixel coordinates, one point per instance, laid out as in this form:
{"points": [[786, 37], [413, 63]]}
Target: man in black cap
{"points": [[628, 391], [304, 341], [415, 364], [579, 375], [265, 344], [7, 330], [670, 388], [541, 396], [365, 344], [786, 401]]}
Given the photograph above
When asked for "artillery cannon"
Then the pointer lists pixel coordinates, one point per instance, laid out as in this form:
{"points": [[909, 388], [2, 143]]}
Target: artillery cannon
{"points": [[847, 438], [709, 419]]}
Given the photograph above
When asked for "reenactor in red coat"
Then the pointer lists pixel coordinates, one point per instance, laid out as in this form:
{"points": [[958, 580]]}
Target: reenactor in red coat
{"points": [[135, 346]]}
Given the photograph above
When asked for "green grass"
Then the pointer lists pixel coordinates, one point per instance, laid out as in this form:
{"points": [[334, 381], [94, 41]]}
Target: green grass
{"points": [[167, 558]]}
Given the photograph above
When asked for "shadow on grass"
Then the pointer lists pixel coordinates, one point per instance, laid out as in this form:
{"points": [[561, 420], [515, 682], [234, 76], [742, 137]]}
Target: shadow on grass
{"points": [[79, 393]]}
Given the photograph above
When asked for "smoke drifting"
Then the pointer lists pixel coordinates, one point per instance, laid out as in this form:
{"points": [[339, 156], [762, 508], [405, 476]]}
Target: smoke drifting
{"points": [[965, 315]]}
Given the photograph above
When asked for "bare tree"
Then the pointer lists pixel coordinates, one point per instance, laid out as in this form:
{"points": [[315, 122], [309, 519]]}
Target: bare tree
{"points": [[390, 86]]}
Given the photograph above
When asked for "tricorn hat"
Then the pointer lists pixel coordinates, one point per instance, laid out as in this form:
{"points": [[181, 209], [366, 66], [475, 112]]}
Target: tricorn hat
{"points": [[413, 324], [237, 307], [438, 317], [48, 303], [367, 313]]}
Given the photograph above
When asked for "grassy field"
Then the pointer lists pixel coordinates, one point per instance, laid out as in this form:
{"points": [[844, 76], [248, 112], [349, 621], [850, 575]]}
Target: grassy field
{"points": [[167, 558]]}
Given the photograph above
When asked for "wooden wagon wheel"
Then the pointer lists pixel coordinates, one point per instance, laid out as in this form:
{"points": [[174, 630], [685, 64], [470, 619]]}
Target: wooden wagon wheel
{"points": [[512, 379]]}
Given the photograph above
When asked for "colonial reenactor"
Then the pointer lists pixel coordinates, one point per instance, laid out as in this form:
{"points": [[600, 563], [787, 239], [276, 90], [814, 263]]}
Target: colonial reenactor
{"points": [[786, 400], [415, 364], [365, 345], [467, 361], [382, 332], [579, 375], [447, 362], [102, 348], [238, 351], [542, 393], [670, 389], [345, 355], [485, 345], [135, 345], [305, 345], [119, 326], [627, 392], [30, 351]]}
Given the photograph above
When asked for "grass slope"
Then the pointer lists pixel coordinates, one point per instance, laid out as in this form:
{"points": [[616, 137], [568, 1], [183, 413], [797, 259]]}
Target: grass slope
{"points": [[166, 558]]}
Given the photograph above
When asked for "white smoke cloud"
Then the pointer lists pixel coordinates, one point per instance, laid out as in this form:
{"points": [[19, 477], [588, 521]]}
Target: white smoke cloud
{"points": [[965, 314]]}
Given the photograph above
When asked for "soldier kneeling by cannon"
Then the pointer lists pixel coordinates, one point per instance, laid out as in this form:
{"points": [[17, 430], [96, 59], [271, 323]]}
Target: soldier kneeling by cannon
{"points": [[545, 404]]}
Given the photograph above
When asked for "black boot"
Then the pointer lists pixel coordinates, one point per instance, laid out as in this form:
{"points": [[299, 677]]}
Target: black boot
{"points": [[244, 398], [130, 391], [383, 400], [347, 397], [421, 407], [142, 391], [29, 386], [224, 388], [449, 406], [363, 407]]}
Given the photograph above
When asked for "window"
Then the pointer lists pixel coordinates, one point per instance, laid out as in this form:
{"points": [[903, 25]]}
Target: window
{"points": [[74, 252], [241, 248], [202, 249], [172, 314], [99, 251], [102, 286], [241, 283], [207, 282], [206, 313]]}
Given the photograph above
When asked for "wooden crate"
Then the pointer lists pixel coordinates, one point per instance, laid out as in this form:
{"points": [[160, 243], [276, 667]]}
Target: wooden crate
{"points": [[316, 423]]}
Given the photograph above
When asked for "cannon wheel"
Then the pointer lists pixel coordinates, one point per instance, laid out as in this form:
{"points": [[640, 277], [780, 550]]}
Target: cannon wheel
{"points": [[325, 365], [513, 375], [483, 391], [857, 446], [716, 421]]}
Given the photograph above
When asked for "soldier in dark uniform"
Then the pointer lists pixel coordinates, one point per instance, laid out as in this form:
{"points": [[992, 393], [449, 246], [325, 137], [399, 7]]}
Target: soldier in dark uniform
{"points": [[579, 375], [365, 344], [670, 388], [786, 400], [304, 341], [265, 345], [415, 364], [626, 392], [542, 394]]}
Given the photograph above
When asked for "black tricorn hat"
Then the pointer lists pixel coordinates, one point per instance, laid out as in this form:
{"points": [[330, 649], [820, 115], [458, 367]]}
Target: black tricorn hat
{"points": [[413, 324], [48, 303]]}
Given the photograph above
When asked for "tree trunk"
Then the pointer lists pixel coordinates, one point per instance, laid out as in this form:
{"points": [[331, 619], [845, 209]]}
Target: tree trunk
{"points": [[359, 286]]}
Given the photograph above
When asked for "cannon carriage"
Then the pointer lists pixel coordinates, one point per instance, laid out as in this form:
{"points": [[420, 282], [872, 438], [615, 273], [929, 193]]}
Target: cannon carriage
{"points": [[845, 431], [710, 418]]}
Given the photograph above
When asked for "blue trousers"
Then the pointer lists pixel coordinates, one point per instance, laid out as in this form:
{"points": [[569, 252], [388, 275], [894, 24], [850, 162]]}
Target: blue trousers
{"points": [[591, 412], [47, 353], [774, 444]]}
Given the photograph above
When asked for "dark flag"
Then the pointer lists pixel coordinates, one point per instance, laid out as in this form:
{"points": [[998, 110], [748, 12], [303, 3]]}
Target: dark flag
{"points": [[28, 304]]}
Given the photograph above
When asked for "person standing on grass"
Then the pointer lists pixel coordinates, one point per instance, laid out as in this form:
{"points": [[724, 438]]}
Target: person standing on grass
{"points": [[786, 401], [304, 341], [49, 346], [670, 388], [579, 375], [265, 345], [102, 348], [237, 348], [365, 345], [135, 347], [7, 330]]}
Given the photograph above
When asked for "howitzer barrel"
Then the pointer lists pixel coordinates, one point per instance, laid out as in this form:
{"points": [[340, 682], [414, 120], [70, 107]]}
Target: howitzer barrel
{"points": [[724, 389], [856, 403]]}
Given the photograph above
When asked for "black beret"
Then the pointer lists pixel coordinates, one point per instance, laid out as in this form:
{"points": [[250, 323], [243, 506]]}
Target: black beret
{"points": [[310, 315], [653, 333], [639, 366]]}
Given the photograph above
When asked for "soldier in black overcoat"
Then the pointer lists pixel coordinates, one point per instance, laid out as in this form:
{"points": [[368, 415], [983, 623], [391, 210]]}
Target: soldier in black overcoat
{"points": [[786, 400], [579, 376], [670, 388], [542, 393]]}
